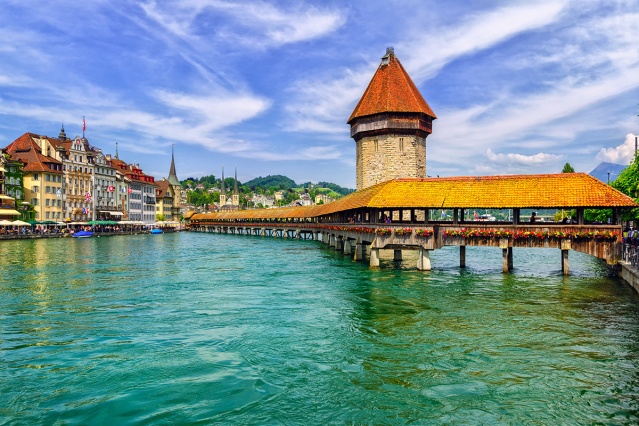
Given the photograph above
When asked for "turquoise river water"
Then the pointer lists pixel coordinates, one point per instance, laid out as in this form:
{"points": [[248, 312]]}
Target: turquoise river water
{"points": [[218, 329]]}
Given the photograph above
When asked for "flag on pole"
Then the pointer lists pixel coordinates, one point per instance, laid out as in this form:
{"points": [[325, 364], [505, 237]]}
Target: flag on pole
{"points": [[84, 125]]}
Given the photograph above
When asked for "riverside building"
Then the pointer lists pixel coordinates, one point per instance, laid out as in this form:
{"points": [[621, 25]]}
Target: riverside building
{"points": [[42, 174]]}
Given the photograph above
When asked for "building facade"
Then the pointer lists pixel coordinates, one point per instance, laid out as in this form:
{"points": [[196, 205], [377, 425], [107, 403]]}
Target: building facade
{"points": [[105, 197], [79, 172], [141, 191], [11, 177], [42, 174], [389, 125]]}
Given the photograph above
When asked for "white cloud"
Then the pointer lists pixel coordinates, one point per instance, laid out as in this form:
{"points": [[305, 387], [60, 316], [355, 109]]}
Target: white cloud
{"points": [[251, 23], [431, 51], [621, 154], [511, 158], [217, 110]]}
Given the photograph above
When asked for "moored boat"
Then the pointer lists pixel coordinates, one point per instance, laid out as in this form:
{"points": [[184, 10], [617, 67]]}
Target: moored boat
{"points": [[83, 234]]}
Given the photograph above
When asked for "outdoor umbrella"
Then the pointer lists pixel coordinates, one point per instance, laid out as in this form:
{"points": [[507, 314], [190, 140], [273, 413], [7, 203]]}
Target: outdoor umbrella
{"points": [[20, 223]]}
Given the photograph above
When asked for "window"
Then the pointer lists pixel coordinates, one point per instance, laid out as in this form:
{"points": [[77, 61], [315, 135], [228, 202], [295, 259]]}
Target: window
{"points": [[376, 146], [47, 216], [36, 176], [401, 144], [34, 189], [47, 177], [46, 202], [34, 201]]}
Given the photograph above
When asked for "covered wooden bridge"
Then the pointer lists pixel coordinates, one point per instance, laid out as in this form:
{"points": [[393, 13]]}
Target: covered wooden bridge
{"points": [[427, 214]]}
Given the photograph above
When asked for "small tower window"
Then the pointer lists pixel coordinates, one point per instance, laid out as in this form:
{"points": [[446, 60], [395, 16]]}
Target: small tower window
{"points": [[376, 145], [401, 144]]}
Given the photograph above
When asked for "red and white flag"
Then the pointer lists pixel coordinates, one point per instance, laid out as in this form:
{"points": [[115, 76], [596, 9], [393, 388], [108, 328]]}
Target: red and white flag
{"points": [[84, 124], [111, 188]]}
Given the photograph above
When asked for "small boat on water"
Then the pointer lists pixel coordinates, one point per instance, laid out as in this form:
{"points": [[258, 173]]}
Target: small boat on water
{"points": [[83, 234], [156, 231]]}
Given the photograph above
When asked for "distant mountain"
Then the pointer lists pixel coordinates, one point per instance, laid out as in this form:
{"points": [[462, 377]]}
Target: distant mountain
{"points": [[601, 171]]}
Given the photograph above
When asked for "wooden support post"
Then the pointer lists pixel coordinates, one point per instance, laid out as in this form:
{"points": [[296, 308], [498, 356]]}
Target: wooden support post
{"points": [[504, 260], [397, 257], [455, 216], [359, 251], [462, 256], [510, 258], [565, 248], [374, 262], [347, 246], [423, 260]]}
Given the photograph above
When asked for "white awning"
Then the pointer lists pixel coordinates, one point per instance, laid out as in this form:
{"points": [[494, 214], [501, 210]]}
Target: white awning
{"points": [[9, 212], [115, 213], [6, 197]]}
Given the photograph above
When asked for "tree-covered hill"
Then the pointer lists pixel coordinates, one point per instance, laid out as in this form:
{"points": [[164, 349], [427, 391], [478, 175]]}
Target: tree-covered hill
{"points": [[271, 181], [260, 185]]}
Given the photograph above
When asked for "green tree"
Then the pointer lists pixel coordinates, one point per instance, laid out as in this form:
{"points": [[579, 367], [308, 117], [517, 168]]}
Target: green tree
{"points": [[159, 217], [628, 183], [568, 168]]}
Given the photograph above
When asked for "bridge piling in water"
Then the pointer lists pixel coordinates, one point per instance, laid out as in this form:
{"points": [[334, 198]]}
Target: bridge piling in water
{"points": [[423, 260], [354, 239]]}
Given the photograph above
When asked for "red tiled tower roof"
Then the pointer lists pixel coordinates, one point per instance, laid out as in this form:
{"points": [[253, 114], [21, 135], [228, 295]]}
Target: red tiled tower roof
{"points": [[391, 90]]}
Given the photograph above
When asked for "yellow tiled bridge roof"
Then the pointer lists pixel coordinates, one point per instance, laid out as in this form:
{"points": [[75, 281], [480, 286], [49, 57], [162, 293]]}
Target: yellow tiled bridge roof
{"points": [[562, 191]]}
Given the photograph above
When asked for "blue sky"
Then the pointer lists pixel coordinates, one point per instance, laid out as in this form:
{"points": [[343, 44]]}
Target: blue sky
{"points": [[267, 86]]}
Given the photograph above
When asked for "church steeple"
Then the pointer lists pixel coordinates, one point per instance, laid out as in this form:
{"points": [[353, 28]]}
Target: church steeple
{"points": [[222, 191], [62, 136], [236, 192], [173, 179]]}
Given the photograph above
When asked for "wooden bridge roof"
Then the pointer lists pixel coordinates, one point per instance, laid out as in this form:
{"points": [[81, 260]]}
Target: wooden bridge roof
{"points": [[561, 191]]}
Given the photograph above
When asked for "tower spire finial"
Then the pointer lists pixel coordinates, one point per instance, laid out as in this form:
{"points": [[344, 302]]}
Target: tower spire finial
{"points": [[222, 190], [173, 179], [116, 151]]}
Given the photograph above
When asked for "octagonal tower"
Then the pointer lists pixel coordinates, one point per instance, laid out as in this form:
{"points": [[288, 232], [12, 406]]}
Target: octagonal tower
{"points": [[390, 124]]}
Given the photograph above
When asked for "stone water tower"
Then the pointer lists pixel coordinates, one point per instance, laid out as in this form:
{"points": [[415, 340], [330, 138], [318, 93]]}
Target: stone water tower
{"points": [[390, 124]]}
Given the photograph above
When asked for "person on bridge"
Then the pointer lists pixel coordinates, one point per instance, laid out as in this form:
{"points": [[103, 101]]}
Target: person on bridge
{"points": [[533, 217]]}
